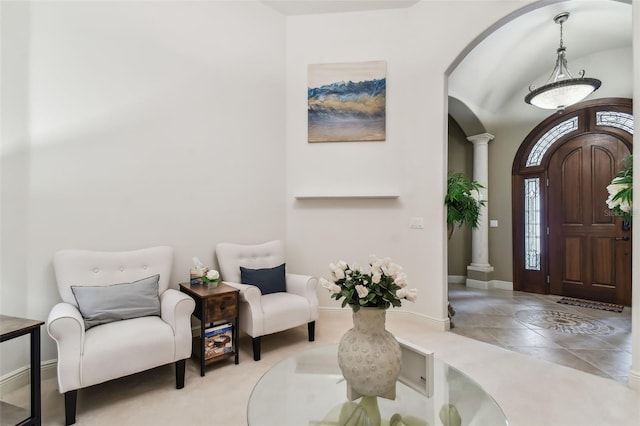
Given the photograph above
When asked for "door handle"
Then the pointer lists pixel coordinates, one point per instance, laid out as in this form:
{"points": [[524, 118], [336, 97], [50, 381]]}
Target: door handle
{"points": [[623, 238]]}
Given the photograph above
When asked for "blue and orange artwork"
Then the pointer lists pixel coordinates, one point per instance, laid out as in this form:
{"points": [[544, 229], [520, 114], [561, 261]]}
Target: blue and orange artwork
{"points": [[347, 102]]}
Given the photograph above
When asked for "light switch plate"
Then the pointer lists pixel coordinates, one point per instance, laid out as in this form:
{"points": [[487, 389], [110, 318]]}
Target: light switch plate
{"points": [[416, 223]]}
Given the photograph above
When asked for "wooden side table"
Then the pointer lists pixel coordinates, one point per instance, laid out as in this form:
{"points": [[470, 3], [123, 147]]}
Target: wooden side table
{"points": [[213, 306], [12, 327]]}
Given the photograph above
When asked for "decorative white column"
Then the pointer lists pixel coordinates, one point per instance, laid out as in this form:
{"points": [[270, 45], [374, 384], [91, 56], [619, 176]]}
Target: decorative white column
{"points": [[480, 236]]}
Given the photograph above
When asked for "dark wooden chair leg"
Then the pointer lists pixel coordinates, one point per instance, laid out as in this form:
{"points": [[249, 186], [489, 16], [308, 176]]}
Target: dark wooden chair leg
{"points": [[70, 400], [256, 348], [312, 330], [180, 368]]}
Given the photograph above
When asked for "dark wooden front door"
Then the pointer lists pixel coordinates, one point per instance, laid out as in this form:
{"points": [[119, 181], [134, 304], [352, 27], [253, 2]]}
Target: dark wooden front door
{"points": [[589, 248], [566, 241]]}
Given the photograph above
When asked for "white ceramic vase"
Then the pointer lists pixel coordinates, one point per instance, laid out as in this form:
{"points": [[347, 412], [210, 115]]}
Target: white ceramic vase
{"points": [[369, 356]]}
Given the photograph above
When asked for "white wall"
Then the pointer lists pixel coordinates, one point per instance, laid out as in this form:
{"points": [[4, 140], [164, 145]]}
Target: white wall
{"points": [[132, 124], [418, 43]]}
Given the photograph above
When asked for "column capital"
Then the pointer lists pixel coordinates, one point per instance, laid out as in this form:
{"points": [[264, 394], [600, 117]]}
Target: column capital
{"points": [[481, 138]]}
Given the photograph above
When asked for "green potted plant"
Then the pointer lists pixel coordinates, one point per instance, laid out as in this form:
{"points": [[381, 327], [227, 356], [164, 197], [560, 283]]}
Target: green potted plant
{"points": [[620, 191], [463, 202], [463, 207]]}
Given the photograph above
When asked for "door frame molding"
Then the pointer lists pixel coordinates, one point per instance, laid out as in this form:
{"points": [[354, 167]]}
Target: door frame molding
{"points": [[536, 281]]}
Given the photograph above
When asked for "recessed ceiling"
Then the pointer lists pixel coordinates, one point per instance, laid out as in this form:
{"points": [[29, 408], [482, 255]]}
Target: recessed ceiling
{"points": [[496, 74]]}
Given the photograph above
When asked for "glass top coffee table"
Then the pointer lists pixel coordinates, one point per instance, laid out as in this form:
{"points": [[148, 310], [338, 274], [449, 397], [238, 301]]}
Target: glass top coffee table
{"points": [[308, 389]]}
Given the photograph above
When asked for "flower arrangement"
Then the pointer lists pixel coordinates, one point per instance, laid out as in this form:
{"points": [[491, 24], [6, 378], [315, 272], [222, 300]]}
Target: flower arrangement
{"points": [[620, 191], [212, 276], [380, 284]]}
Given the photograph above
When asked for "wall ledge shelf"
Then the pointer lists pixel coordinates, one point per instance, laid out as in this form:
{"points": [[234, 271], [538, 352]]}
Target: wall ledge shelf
{"points": [[320, 196]]}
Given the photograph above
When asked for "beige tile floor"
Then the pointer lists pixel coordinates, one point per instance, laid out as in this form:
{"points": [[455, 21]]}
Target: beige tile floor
{"points": [[531, 392], [594, 341]]}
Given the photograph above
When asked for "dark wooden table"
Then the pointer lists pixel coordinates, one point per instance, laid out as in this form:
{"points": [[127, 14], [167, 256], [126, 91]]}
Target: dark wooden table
{"points": [[213, 306], [10, 328]]}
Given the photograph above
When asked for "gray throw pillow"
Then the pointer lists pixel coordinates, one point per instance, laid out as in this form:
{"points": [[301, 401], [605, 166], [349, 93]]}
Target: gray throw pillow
{"points": [[103, 304], [268, 280]]}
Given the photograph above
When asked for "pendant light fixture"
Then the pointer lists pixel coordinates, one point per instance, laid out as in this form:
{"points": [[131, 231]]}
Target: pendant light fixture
{"points": [[561, 88]]}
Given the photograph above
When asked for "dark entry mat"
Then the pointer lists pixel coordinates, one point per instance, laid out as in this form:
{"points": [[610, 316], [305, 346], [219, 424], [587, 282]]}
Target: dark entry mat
{"points": [[591, 304]]}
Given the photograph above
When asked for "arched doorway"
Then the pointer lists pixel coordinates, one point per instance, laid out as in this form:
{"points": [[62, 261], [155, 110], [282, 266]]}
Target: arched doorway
{"points": [[565, 239]]}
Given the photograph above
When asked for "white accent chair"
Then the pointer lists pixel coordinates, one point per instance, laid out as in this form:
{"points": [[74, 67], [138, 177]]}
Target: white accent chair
{"points": [[90, 356], [260, 314]]}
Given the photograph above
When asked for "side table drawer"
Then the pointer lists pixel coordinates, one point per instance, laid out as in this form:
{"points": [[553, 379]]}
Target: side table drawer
{"points": [[222, 307]]}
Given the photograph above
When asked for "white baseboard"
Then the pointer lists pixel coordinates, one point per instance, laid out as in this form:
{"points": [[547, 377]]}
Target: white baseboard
{"points": [[486, 285], [634, 380], [20, 377], [502, 285], [456, 279]]}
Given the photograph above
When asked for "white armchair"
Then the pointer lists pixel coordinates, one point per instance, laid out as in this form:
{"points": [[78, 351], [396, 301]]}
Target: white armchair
{"points": [[90, 354], [263, 314]]}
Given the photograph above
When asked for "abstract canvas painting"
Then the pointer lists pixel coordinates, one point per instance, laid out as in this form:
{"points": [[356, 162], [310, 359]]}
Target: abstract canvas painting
{"points": [[347, 101]]}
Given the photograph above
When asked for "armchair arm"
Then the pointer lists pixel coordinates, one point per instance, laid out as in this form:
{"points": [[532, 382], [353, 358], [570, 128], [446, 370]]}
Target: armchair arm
{"points": [[302, 285], [305, 286], [66, 326], [176, 309], [251, 315]]}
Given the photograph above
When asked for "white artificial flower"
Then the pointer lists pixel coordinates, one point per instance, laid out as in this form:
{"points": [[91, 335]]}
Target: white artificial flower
{"points": [[393, 269], [376, 268], [409, 294], [386, 261], [625, 206], [332, 267], [342, 265], [365, 269], [412, 294], [401, 280], [213, 274], [334, 288], [376, 277], [615, 188], [611, 203], [362, 291], [338, 273], [373, 259]]}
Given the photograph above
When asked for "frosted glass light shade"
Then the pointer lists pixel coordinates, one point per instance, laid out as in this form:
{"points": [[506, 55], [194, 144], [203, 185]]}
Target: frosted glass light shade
{"points": [[562, 93]]}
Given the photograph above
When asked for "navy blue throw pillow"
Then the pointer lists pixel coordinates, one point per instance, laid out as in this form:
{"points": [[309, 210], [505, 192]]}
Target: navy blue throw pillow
{"points": [[268, 280]]}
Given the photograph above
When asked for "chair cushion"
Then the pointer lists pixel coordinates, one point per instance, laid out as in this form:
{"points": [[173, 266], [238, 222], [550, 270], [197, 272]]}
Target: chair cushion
{"points": [[104, 304], [268, 280]]}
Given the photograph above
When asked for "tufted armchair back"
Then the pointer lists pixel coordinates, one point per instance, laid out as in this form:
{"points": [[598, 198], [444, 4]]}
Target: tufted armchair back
{"points": [[101, 268], [266, 255], [272, 312]]}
